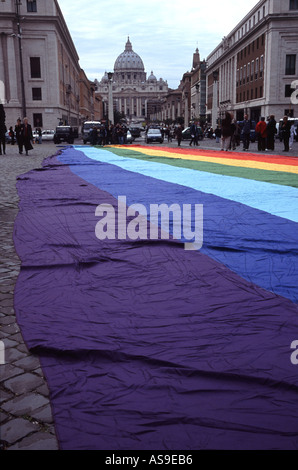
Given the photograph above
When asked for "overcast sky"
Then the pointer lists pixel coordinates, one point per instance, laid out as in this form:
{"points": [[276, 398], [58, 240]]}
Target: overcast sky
{"points": [[163, 33]]}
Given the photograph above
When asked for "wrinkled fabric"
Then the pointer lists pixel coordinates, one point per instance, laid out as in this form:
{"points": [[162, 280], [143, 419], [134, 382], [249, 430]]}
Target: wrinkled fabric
{"points": [[146, 345]]}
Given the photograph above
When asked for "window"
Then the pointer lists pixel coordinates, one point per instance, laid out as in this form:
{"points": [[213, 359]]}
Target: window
{"points": [[256, 93], [252, 70], [290, 64], [31, 6], [35, 67], [288, 91], [237, 78], [244, 74], [257, 69], [293, 4], [261, 66], [37, 120], [248, 72], [36, 94]]}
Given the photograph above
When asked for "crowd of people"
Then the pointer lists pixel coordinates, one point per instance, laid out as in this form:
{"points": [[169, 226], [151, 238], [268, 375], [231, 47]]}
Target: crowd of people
{"points": [[104, 135], [231, 133], [21, 134]]}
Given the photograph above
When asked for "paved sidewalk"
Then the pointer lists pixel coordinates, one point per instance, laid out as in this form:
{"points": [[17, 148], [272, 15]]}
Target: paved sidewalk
{"points": [[26, 421]]}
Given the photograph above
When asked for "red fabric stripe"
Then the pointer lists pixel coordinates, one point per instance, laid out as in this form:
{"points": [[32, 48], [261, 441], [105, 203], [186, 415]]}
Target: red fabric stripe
{"points": [[276, 159]]}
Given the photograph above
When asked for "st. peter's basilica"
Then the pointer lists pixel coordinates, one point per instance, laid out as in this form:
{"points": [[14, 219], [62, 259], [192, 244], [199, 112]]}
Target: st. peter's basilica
{"points": [[132, 91]]}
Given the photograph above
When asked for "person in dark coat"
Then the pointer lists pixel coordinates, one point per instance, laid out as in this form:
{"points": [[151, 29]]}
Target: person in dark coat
{"points": [[27, 135], [179, 134], [194, 134], [226, 132], [271, 131], [18, 134], [3, 130], [286, 132], [246, 127]]}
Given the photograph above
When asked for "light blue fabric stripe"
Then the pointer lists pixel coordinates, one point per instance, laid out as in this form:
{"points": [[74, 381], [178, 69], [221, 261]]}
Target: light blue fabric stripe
{"points": [[275, 199]]}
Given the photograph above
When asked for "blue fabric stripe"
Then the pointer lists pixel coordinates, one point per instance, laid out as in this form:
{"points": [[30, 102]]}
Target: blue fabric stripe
{"points": [[272, 198], [257, 245]]}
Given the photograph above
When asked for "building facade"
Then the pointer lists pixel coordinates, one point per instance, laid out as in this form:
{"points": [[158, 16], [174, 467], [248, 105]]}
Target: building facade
{"points": [[40, 76], [132, 91], [253, 69]]}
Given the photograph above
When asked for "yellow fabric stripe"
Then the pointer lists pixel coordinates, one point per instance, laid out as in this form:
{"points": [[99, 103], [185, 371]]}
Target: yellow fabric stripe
{"points": [[221, 161]]}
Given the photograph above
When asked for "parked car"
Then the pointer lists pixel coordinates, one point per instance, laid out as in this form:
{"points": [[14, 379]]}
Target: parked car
{"points": [[186, 135], [64, 134], [154, 135], [129, 137], [48, 135], [86, 128], [7, 137], [135, 132]]}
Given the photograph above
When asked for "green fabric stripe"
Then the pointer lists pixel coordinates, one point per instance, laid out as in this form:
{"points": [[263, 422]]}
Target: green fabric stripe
{"points": [[275, 177]]}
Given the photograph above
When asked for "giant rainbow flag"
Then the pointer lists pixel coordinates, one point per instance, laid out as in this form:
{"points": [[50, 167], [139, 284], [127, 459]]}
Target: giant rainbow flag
{"points": [[148, 345]]}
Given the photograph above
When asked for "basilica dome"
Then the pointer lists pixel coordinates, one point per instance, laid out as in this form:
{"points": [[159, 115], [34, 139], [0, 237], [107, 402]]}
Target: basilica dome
{"points": [[129, 60]]}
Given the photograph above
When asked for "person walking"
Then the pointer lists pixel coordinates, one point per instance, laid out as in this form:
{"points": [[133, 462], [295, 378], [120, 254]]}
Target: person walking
{"points": [[179, 135], [246, 132], [261, 130], [19, 136], [271, 131], [217, 133], [226, 132], [286, 131], [27, 135], [194, 134]]}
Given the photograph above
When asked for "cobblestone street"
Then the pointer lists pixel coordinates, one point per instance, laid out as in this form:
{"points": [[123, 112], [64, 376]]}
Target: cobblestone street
{"points": [[25, 413]]}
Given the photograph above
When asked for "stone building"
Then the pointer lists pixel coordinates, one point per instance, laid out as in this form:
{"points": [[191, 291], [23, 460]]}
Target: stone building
{"points": [[131, 89], [252, 70], [40, 75]]}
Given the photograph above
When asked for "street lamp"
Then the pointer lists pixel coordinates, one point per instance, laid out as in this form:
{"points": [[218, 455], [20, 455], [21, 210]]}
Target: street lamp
{"points": [[111, 107], [17, 4]]}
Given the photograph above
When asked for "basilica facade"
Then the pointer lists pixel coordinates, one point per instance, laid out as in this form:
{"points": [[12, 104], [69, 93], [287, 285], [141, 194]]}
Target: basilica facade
{"points": [[133, 93]]}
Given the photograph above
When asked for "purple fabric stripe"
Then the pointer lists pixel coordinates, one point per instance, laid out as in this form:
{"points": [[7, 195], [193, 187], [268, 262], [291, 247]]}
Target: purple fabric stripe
{"points": [[145, 345]]}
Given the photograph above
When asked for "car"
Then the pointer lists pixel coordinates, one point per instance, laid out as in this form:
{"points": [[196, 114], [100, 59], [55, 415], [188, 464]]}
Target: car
{"points": [[186, 135], [48, 134], [7, 137], [129, 137], [135, 132], [86, 129], [154, 135], [64, 134]]}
